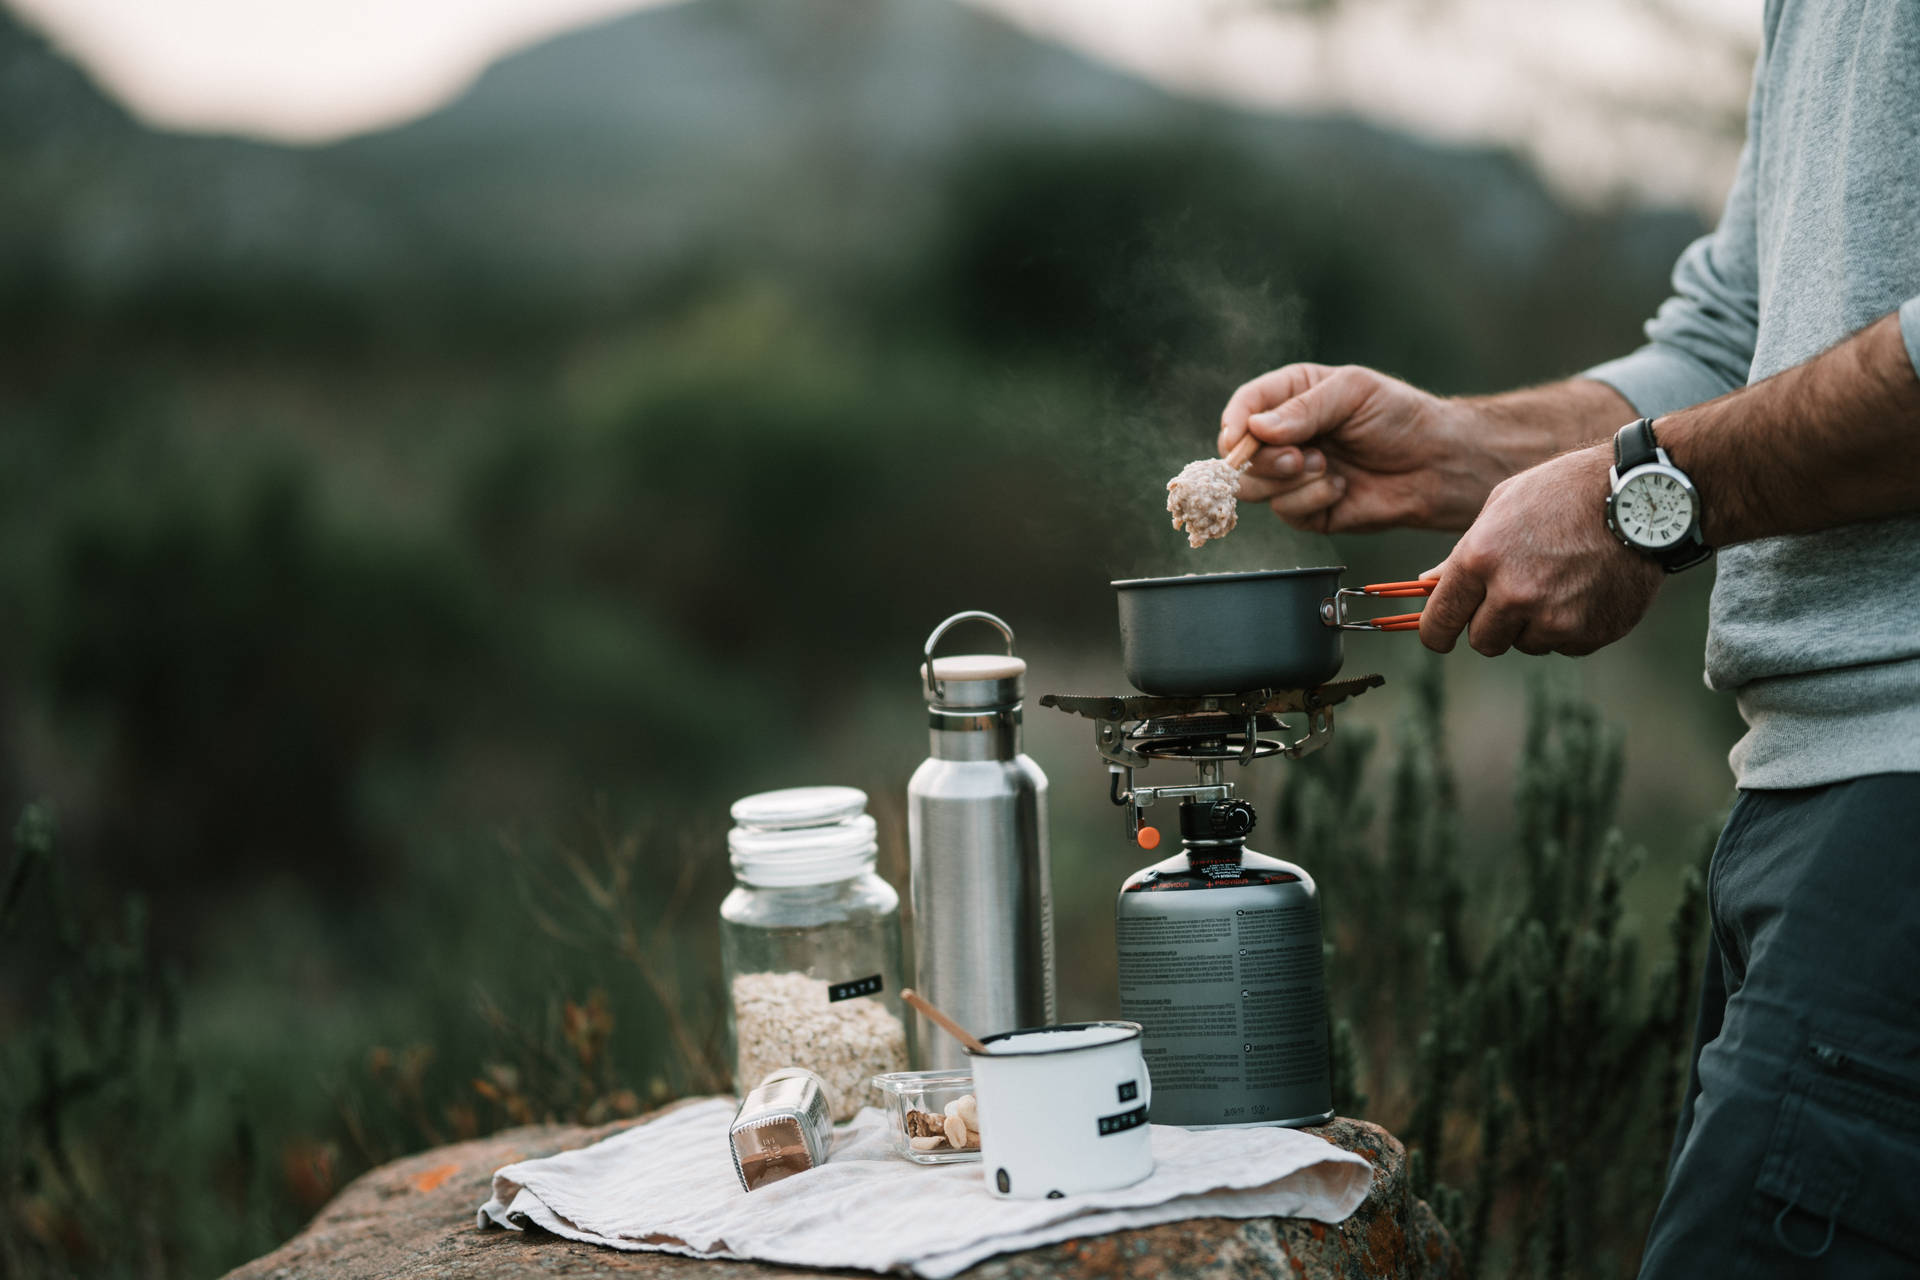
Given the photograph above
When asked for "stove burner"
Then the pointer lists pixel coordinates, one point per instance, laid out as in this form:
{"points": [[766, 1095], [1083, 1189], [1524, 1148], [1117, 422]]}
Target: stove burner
{"points": [[1205, 735], [1207, 731], [1199, 749], [1205, 724], [1131, 729]]}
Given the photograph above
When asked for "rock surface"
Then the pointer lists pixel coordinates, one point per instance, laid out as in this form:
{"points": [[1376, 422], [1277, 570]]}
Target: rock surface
{"points": [[414, 1218]]}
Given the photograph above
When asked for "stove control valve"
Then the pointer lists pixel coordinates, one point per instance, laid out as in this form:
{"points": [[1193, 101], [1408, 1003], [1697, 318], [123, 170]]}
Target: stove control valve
{"points": [[1220, 820]]}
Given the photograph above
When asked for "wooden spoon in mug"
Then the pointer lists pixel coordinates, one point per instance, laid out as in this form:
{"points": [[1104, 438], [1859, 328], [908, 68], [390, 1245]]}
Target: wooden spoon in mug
{"points": [[945, 1023]]}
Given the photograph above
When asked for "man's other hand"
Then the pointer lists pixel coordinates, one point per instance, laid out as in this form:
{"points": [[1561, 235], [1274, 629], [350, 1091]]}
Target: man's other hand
{"points": [[1349, 450], [1539, 571]]}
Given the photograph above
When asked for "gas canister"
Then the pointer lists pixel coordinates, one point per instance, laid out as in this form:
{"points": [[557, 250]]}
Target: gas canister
{"points": [[1220, 962]]}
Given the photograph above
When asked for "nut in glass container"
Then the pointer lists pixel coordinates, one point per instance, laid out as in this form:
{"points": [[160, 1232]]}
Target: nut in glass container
{"points": [[932, 1116]]}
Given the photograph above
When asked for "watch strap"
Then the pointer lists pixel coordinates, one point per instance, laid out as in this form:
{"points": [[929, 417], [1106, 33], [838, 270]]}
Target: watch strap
{"points": [[1684, 554], [1633, 445]]}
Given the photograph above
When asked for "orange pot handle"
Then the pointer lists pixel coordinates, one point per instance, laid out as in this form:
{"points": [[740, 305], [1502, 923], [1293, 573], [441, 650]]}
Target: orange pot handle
{"points": [[1333, 610]]}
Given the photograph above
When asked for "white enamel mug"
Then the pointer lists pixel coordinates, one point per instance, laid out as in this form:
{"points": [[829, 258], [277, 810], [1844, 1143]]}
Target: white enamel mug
{"points": [[1063, 1110]]}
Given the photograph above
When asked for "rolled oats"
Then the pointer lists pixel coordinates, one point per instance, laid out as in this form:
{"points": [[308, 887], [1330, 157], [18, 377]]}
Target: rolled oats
{"points": [[1204, 500], [786, 1019]]}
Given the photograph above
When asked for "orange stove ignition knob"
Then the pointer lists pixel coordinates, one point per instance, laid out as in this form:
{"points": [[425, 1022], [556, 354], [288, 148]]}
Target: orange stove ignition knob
{"points": [[1149, 837]]}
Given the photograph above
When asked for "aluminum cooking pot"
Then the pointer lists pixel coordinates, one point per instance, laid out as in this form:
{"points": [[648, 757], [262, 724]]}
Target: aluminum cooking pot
{"points": [[1231, 632]]}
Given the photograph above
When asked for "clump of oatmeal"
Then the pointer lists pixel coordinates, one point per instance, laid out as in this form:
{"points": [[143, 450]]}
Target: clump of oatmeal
{"points": [[1204, 500], [786, 1020]]}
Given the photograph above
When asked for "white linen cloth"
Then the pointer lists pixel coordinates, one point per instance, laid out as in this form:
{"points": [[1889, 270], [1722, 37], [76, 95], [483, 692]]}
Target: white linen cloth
{"points": [[669, 1185]]}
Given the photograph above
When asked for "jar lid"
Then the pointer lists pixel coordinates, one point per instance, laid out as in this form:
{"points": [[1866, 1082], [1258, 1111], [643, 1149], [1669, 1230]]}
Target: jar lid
{"points": [[799, 807], [793, 856], [976, 681]]}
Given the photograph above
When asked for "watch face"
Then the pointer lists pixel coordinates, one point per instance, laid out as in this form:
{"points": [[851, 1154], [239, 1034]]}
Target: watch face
{"points": [[1653, 510]]}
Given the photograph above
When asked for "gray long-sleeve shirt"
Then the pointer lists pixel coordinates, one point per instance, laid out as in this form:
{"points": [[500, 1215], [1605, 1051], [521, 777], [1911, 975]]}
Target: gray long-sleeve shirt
{"points": [[1817, 635]]}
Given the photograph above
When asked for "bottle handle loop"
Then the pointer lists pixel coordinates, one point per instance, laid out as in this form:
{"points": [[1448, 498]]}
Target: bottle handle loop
{"points": [[970, 615]]}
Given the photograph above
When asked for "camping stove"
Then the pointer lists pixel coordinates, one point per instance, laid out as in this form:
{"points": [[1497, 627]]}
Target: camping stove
{"points": [[1209, 730], [1219, 946]]}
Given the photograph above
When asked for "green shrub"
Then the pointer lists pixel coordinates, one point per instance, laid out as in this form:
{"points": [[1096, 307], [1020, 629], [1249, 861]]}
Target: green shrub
{"points": [[106, 1168], [1504, 1030]]}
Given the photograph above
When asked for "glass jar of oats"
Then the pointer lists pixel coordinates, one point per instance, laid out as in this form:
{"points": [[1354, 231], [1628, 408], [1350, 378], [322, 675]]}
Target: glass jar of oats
{"points": [[810, 939]]}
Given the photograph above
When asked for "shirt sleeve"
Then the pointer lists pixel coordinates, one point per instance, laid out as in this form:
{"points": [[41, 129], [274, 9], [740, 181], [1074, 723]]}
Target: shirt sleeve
{"points": [[1700, 343], [1910, 330]]}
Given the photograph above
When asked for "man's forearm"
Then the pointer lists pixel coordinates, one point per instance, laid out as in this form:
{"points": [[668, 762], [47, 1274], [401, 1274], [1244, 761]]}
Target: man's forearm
{"points": [[1833, 441], [1525, 428]]}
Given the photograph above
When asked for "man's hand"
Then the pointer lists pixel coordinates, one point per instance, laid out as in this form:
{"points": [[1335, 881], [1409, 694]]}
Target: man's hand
{"points": [[1386, 452], [1350, 450], [1538, 571]]}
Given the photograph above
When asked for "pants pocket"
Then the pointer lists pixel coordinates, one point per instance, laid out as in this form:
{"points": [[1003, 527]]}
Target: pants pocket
{"points": [[1844, 1162]]}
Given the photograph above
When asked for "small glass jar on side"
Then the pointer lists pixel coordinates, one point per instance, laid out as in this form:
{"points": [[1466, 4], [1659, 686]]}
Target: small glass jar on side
{"points": [[932, 1116], [810, 941]]}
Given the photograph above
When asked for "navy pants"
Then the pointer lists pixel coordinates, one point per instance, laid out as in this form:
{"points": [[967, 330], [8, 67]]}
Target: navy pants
{"points": [[1798, 1152]]}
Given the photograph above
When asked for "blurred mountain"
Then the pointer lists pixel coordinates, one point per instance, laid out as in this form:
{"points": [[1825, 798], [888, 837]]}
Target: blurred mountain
{"points": [[827, 133], [344, 487]]}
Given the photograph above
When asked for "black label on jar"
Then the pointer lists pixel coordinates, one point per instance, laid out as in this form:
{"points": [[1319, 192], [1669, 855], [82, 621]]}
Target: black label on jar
{"points": [[852, 990], [1125, 1120]]}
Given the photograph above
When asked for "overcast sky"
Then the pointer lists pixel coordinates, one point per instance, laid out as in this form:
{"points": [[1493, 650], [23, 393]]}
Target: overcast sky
{"points": [[1612, 99]]}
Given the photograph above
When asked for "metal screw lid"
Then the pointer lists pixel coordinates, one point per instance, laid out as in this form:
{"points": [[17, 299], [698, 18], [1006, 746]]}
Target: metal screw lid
{"points": [[977, 681], [972, 681]]}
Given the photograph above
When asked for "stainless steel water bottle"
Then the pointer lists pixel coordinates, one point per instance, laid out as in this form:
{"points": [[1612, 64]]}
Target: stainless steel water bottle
{"points": [[977, 834]]}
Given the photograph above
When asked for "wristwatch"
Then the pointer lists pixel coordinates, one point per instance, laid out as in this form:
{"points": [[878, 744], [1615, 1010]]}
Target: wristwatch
{"points": [[1653, 507]]}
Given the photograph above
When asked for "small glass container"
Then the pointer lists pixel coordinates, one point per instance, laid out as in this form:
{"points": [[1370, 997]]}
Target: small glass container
{"points": [[810, 940], [917, 1106], [783, 1127]]}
